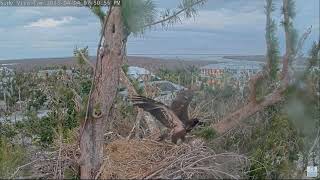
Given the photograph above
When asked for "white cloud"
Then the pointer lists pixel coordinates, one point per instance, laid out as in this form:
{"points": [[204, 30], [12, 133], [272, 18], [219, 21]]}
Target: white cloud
{"points": [[50, 22], [224, 18]]}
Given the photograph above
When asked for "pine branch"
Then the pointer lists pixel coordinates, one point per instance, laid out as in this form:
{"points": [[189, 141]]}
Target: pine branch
{"points": [[176, 14]]}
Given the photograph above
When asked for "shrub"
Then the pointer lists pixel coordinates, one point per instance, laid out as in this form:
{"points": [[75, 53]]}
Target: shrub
{"points": [[11, 156], [206, 133], [274, 149]]}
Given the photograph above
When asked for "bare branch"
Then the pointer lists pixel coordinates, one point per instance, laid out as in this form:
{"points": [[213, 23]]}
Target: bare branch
{"points": [[315, 143], [86, 59], [20, 167], [302, 40]]}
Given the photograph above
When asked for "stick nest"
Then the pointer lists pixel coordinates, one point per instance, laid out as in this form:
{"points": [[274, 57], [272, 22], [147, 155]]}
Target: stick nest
{"points": [[137, 159]]}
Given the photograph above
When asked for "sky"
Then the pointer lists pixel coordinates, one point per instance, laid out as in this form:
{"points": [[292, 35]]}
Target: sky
{"points": [[221, 27]]}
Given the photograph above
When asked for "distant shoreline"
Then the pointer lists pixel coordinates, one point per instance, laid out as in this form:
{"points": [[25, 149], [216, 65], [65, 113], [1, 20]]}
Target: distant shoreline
{"points": [[183, 57], [150, 63], [259, 58]]}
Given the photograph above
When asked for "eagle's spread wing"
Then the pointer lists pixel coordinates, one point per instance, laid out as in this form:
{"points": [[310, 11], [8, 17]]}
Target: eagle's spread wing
{"points": [[156, 109], [180, 105]]}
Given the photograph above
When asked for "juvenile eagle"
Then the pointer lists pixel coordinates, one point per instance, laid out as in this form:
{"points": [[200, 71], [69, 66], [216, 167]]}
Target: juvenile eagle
{"points": [[175, 117]]}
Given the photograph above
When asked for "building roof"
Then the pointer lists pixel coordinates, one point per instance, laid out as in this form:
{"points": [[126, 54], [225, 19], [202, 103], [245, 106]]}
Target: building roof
{"points": [[6, 70], [167, 86], [135, 72]]}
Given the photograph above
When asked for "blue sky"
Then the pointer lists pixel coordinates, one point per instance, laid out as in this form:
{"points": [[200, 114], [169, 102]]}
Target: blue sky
{"points": [[221, 27]]}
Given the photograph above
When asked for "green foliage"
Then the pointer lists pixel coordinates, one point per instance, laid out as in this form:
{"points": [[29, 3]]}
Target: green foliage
{"points": [[36, 100], [69, 173], [98, 11], [136, 84], [41, 130], [274, 149], [222, 92], [264, 86], [190, 9], [66, 102], [272, 41], [136, 14], [124, 110], [293, 34], [140, 14], [61, 108], [44, 130], [186, 8], [85, 86], [314, 56], [125, 68], [11, 156], [7, 130], [293, 38], [291, 8], [206, 133]]}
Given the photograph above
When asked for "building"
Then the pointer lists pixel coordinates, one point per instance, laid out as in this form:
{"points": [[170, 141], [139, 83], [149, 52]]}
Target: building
{"points": [[235, 69], [139, 73], [217, 74], [166, 87]]}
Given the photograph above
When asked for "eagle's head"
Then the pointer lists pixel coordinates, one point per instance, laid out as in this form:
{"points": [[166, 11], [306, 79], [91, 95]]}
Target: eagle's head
{"points": [[193, 122]]}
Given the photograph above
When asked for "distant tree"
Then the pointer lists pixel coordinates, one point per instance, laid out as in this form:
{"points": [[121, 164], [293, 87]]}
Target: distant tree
{"points": [[277, 94]]}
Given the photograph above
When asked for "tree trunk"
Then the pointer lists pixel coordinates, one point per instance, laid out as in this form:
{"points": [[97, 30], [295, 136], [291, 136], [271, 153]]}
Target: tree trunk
{"points": [[245, 112], [103, 93]]}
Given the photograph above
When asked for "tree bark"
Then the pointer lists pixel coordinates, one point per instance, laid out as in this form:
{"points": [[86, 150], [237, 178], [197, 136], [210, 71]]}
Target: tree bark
{"points": [[103, 93]]}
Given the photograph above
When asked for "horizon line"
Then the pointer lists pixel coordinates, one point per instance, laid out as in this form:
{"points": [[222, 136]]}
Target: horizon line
{"points": [[143, 54]]}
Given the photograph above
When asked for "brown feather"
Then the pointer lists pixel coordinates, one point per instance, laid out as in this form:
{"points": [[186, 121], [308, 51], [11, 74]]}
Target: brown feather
{"points": [[175, 118]]}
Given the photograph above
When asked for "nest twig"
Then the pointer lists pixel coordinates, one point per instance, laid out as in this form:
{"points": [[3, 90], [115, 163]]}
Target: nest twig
{"points": [[147, 159]]}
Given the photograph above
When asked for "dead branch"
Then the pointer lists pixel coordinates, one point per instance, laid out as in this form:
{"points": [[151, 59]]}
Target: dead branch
{"points": [[86, 60], [302, 39], [36, 176], [101, 169], [58, 169], [20, 167], [315, 142]]}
